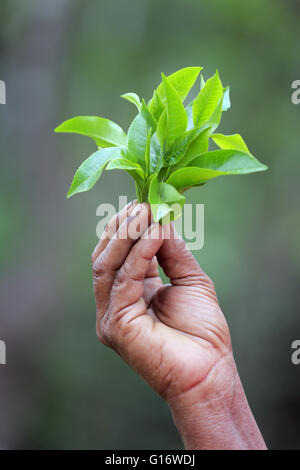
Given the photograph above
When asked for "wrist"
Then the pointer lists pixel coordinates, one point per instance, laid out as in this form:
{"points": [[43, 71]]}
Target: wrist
{"points": [[215, 414]]}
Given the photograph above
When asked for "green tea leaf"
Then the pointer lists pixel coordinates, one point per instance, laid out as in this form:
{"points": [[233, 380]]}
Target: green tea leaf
{"points": [[147, 153], [202, 82], [200, 143], [229, 161], [161, 128], [182, 81], [166, 149], [156, 155], [148, 116], [121, 163], [90, 170], [106, 133], [185, 178], [212, 164], [156, 106], [133, 98], [198, 146], [215, 119], [207, 100], [176, 114], [226, 99], [234, 141], [138, 135], [189, 113], [176, 152], [163, 199]]}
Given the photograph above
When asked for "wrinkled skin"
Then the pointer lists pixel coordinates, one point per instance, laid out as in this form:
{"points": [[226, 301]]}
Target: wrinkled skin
{"points": [[173, 335]]}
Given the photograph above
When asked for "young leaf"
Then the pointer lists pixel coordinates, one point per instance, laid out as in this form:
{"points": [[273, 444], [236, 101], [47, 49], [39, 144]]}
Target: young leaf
{"points": [[207, 100], [202, 82], [182, 81], [176, 114], [198, 146], [121, 163], [189, 107], [156, 155], [185, 178], [226, 99], [161, 128], [189, 113], [234, 141], [167, 145], [133, 98], [157, 106], [229, 161], [106, 133], [212, 164], [90, 170], [164, 199], [138, 135], [147, 153], [148, 116], [215, 119], [176, 152]]}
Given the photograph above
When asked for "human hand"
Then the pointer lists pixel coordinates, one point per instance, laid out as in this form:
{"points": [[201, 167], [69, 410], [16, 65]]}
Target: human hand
{"points": [[175, 336]]}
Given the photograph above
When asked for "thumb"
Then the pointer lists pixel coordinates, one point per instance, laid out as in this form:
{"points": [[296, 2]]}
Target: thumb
{"points": [[177, 261]]}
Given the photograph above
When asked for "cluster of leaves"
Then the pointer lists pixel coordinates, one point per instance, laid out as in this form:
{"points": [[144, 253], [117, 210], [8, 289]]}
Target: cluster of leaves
{"points": [[166, 147]]}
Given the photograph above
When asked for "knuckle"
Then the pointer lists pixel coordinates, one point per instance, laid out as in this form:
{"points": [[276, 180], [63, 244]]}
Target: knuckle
{"points": [[104, 331], [99, 267], [94, 253], [100, 334]]}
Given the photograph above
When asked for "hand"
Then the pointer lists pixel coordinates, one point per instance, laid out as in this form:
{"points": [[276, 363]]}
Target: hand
{"points": [[175, 335]]}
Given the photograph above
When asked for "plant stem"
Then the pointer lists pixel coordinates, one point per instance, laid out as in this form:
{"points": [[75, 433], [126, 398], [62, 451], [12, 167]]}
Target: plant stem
{"points": [[138, 192]]}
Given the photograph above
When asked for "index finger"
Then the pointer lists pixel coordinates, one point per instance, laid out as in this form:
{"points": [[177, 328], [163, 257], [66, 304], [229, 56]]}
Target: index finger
{"points": [[112, 228]]}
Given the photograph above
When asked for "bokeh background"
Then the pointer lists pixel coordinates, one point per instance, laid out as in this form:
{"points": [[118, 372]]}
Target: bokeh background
{"points": [[61, 388]]}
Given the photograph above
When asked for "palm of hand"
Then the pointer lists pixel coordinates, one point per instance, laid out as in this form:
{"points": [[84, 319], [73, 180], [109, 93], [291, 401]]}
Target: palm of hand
{"points": [[187, 332]]}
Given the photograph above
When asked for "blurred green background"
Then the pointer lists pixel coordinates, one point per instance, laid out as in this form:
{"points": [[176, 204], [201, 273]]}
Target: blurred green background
{"points": [[61, 388]]}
